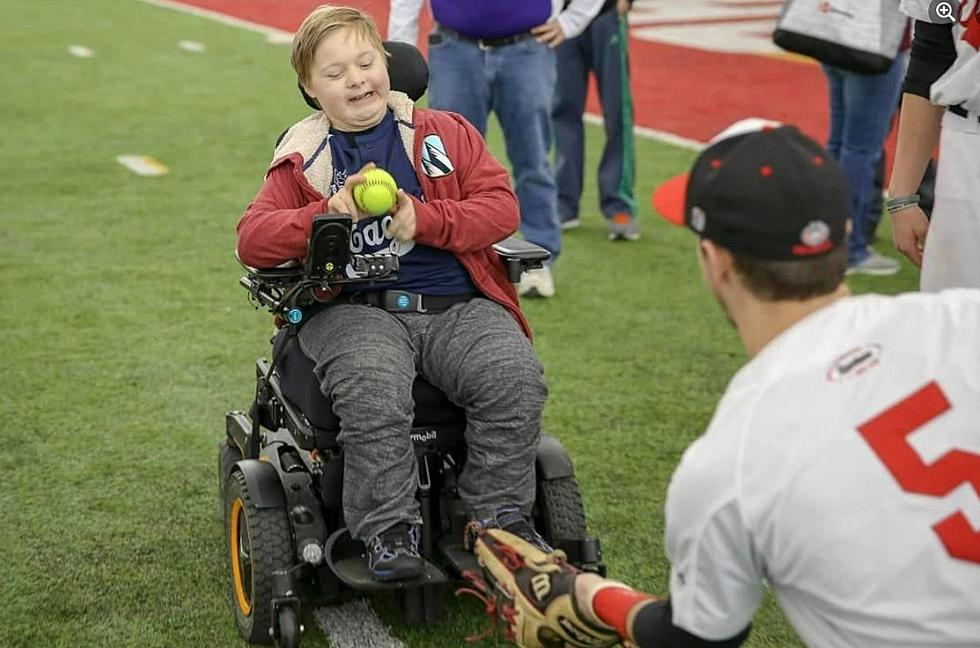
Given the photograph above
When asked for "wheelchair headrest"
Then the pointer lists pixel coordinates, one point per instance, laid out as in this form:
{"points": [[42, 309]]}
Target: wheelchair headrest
{"points": [[407, 69]]}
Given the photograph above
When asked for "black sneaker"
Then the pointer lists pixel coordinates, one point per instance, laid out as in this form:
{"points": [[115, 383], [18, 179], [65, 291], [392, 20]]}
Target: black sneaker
{"points": [[394, 553], [511, 519]]}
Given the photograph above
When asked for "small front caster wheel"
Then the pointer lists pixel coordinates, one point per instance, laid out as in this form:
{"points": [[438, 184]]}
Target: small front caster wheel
{"points": [[289, 628]]}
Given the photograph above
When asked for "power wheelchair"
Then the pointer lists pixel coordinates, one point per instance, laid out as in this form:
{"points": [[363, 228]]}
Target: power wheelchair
{"points": [[280, 467]]}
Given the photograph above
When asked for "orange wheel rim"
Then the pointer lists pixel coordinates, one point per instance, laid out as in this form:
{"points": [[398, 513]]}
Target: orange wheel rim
{"points": [[237, 573]]}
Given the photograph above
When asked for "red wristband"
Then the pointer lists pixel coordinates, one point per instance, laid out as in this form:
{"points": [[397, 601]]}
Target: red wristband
{"points": [[613, 605]]}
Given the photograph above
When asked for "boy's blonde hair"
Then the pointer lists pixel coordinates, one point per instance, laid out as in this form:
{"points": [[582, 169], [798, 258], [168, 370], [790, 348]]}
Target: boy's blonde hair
{"points": [[323, 21]]}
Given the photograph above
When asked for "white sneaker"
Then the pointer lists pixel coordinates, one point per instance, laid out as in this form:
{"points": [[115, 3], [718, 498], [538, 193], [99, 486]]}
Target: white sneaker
{"points": [[623, 227], [537, 283], [875, 264], [570, 224]]}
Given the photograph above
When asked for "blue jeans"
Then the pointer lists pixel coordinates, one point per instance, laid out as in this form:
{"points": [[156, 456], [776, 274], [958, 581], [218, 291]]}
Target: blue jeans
{"points": [[861, 109], [517, 82], [598, 49]]}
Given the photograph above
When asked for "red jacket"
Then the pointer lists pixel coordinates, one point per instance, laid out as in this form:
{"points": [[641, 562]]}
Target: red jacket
{"points": [[465, 212]]}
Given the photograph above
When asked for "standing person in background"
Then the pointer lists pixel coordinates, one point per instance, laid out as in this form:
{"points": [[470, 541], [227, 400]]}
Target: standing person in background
{"points": [[602, 50], [500, 56], [861, 108], [941, 101]]}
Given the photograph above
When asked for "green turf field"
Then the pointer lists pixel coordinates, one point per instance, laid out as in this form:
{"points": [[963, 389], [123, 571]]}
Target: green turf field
{"points": [[127, 338]]}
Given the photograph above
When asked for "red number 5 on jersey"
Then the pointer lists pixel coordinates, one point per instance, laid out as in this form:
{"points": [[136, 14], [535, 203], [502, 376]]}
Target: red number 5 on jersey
{"points": [[887, 434]]}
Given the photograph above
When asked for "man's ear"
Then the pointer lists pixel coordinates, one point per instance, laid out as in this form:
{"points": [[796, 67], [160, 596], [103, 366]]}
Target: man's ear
{"points": [[716, 261]]}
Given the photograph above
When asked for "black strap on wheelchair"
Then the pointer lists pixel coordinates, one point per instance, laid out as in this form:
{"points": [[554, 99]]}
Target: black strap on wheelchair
{"points": [[402, 301], [262, 387]]}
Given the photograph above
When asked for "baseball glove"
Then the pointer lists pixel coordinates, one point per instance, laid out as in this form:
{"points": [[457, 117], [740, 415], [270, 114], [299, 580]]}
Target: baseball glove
{"points": [[531, 593]]}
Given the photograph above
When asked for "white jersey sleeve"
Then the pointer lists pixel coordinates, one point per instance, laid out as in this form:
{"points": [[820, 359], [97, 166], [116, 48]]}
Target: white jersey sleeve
{"points": [[917, 9], [577, 16], [403, 21], [716, 583]]}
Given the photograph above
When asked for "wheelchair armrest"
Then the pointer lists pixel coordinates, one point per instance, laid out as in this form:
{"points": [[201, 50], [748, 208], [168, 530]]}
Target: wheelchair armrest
{"points": [[290, 271], [520, 255]]}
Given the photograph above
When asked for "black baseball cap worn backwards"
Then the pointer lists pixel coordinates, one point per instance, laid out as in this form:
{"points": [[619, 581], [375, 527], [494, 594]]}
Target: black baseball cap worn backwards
{"points": [[762, 190]]}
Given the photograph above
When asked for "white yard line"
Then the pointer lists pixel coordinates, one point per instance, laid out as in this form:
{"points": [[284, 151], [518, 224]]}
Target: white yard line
{"points": [[192, 46], [81, 51], [279, 36], [653, 134], [222, 18], [355, 625], [143, 165]]}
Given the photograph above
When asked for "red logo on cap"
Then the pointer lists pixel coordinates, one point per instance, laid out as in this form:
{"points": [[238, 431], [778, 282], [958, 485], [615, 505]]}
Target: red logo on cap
{"points": [[816, 239]]}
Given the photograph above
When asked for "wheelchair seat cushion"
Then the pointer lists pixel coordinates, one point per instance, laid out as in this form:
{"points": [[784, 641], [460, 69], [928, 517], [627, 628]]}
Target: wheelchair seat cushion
{"points": [[301, 386]]}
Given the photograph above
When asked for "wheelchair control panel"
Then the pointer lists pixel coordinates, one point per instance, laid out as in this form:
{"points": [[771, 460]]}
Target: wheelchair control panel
{"points": [[292, 291]]}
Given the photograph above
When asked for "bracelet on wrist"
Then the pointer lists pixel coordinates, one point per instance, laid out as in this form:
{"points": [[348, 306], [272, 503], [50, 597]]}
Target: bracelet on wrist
{"points": [[893, 205]]}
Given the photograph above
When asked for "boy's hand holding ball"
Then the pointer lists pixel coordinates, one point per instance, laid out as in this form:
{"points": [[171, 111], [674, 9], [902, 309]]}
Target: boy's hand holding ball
{"points": [[346, 200], [373, 192], [402, 226], [377, 194]]}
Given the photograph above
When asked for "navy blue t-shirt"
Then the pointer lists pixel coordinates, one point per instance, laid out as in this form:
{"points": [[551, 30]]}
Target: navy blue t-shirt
{"points": [[423, 269]]}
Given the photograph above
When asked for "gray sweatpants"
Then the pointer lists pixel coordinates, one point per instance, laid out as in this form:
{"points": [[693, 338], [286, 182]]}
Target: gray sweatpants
{"points": [[367, 359]]}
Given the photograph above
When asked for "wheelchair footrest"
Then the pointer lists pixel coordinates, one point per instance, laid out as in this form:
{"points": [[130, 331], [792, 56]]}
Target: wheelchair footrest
{"points": [[585, 553], [458, 558], [346, 558]]}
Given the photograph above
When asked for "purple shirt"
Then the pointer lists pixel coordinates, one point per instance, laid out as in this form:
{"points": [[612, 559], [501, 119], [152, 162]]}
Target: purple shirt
{"points": [[491, 18]]}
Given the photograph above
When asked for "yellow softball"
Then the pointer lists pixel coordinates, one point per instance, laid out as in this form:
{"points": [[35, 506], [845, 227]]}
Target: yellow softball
{"points": [[377, 194]]}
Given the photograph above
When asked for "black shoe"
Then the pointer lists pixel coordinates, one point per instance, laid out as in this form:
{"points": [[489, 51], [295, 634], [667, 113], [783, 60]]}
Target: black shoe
{"points": [[511, 519], [394, 553]]}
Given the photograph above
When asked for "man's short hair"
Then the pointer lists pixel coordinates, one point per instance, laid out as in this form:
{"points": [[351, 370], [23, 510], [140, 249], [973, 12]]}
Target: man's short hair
{"points": [[797, 279], [323, 21]]}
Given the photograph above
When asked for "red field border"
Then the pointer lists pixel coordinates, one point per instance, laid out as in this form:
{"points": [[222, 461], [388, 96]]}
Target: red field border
{"points": [[682, 94]]}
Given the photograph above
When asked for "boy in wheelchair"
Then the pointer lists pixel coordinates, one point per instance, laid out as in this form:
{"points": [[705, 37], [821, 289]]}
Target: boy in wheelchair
{"points": [[456, 319]]}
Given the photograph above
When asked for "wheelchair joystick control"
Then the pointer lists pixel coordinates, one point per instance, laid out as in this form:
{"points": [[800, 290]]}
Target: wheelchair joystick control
{"points": [[329, 245]]}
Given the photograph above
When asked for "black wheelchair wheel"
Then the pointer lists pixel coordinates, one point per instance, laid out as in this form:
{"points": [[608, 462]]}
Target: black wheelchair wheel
{"points": [[258, 542], [228, 456], [560, 512], [289, 628]]}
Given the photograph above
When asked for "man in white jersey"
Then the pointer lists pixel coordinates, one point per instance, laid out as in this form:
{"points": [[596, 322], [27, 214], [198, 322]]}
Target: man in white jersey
{"points": [[842, 466], [941, 105]]}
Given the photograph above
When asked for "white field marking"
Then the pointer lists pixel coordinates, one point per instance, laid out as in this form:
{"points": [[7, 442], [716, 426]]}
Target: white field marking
{"points": [[81, 51], [653, 134], [191, 46], [355, 625], [280, 37], [221, 18], [143, 165], [727, 26]]}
